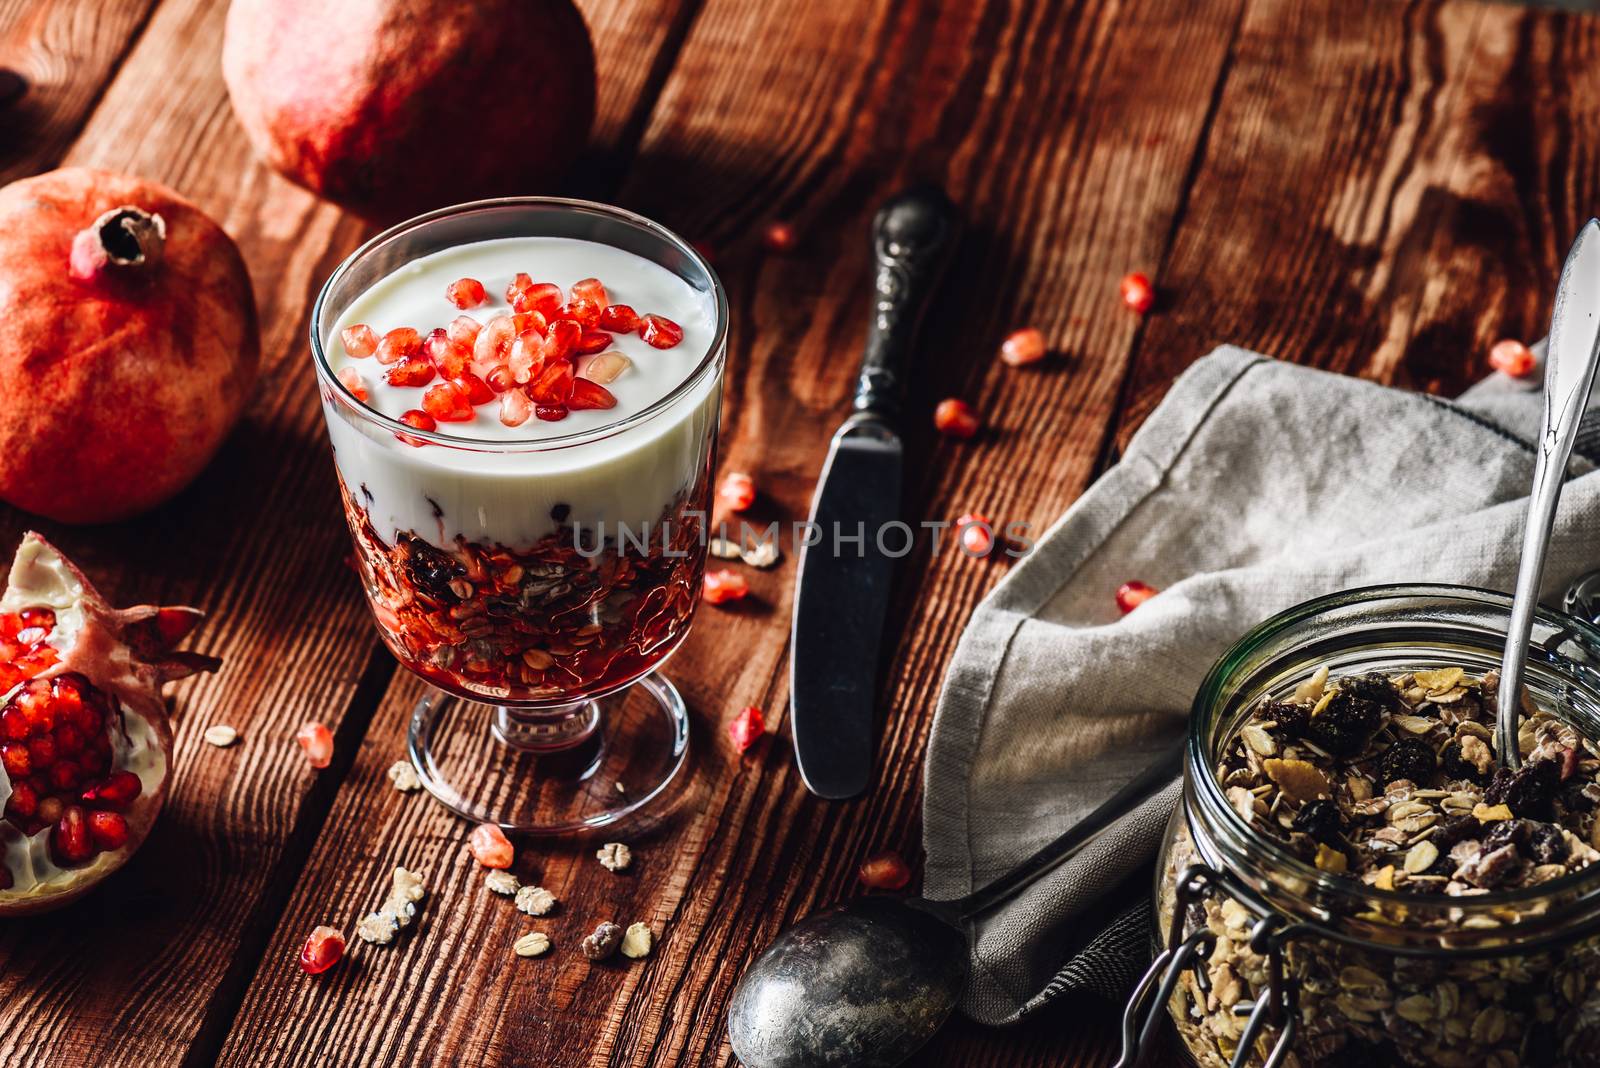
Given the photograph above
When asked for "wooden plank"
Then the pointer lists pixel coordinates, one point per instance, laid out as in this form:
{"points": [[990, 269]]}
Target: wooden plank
{"points": [[150, 970], [1094, 110], [1384, 195], [67, 50]]}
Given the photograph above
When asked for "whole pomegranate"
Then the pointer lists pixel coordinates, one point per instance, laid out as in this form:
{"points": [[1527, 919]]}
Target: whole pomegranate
{"points": [[128, 343], [394, 107], [85, 747]]}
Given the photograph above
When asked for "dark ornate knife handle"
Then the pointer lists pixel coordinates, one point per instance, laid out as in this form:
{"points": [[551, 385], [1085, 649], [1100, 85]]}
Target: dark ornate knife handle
{"points": [[912, 238]]}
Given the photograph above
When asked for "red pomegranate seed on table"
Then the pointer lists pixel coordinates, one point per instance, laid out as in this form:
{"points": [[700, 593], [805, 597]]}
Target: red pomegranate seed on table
{"points": [[746, 727], [476, 389], [1512, 357], [1131, 595], [117, 792], [317, 741], [554, 384], [885, 871], [398, 344], [351, 378], [415, 371], [466, 293], [1022, 347], [977, 534], [588, 396], [323, 948], [592, 341], [619, 319], [69, 841], [360, 340], [1137, 292], [955, 418], [108, 830], [591, 290], [463, 330], [737, 490], [515, 407], [447, 402], [550, 413], [660, 332], [490, 846], [560, 340], [778, 237], [722, 586], [500, 378]]}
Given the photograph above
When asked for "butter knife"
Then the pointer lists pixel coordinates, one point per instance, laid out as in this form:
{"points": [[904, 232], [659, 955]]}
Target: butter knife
{"points": [[847, 556]]}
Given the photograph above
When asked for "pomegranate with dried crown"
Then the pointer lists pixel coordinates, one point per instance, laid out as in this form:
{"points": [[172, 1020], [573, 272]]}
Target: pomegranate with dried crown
{"points": [[394, 107], [128, 343], [85, 746]]}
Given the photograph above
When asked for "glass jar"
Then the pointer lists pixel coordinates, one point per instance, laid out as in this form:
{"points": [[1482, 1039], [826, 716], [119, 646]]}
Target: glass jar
{"points": [[1266, 960]]}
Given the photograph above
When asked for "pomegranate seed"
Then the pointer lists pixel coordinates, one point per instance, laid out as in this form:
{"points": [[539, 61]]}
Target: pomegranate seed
{"points": [[69, 740], [317, 741], [619, 319], [592, 291], [416, 371], [515, 407], [885, 871], [723, 586], [490, 846], [1131, 595], [464, 330], [447, 402], [737, 490], [108, 830], [659, 331], [746, 727], [1022, 347], [69, 841], [977, 534], [351, 378], [955, 418], [500, 378], [560, 340], [554, 384], [476, 389], [398, 344], [50, 808], [23, 803], [527, 356], [543, 298], [587, 396], [323, 948], [1512, 357], [522, 322], [585, 313], [492, 342], [117, 792], [778, 237], [550, 413], [16, 760], [450, 358], [466, 293], [360, 340], [603, 368], [1137, 293], [591, 342]]}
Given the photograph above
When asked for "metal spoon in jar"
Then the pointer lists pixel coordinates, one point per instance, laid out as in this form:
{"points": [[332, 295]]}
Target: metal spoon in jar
{"points": [[1570, 361], [865, 984]]}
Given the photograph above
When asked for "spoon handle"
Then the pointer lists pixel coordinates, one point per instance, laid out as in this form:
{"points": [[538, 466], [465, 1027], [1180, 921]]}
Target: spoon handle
{"points": [[1573, 354], [1145, 785]]}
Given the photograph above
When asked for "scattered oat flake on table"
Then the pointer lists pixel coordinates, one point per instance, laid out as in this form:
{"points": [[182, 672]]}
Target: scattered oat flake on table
{"points": [[724, 549], [536, 944], [603, 942], [637, 940], [763, 554], [221, 735], [404, 776], [378, 928], [535, 900], [502, 882], [614, 856]]}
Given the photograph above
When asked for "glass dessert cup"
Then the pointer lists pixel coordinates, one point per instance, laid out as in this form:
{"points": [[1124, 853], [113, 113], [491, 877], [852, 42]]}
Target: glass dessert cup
{"points": [[536, 583], [1264, 959]]}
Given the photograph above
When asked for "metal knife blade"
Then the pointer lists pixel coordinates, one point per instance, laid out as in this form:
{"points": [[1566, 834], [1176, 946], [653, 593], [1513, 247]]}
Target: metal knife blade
{"points": [[846, 567]]}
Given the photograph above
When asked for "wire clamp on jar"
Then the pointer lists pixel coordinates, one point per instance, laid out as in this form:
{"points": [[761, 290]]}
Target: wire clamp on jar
{"points": [[1144, 1012]]}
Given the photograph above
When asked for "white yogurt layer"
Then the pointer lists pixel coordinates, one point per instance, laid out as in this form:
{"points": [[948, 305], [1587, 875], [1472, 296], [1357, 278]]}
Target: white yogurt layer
{"points": [[507, 495]]}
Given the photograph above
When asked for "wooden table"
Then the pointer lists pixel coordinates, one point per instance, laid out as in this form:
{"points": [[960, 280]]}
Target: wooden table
{"points": [[1381, 189]]}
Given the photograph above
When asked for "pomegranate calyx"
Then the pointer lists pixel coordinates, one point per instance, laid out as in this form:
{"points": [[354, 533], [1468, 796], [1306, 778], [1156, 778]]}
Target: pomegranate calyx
{"points": [[129, 239]]}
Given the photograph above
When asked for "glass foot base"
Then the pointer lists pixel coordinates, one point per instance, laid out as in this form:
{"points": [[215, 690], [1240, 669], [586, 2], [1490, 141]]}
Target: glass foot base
{"points": [[551, 773]]}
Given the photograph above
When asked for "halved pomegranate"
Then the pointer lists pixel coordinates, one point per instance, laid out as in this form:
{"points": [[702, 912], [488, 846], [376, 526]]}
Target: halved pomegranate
{"points": [[85, 746]]}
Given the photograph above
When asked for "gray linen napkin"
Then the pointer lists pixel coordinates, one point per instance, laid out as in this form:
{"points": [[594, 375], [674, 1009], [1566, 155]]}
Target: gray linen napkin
{"points": [[1254, 486]]}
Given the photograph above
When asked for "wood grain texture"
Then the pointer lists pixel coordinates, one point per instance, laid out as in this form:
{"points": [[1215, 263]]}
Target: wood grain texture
{"points": [[835, 110], [67, 51]]}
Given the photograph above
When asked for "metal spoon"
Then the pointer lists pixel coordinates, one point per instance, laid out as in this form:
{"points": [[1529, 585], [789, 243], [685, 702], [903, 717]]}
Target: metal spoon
{"points": [[866, 983], [1573, 354]]}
